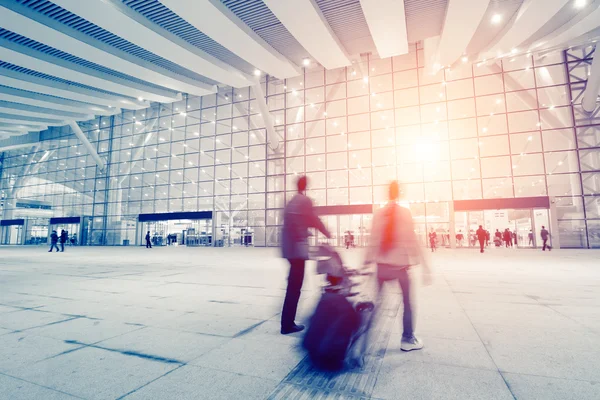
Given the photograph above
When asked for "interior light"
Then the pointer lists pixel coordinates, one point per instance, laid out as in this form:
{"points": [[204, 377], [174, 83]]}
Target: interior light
{"points": [[140, 98], [496, 18], [580, 3], [306, 62], [257, 72], [464, 59]]}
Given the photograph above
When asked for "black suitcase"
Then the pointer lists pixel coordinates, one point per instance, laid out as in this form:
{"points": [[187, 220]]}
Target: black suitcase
{"points": [[330, 331]]}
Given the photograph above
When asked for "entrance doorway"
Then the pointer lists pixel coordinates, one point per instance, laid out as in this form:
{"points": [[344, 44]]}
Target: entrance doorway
{"points": [[178, 232], [12, 231], [516, 220], [36, 231], [522, 225], [349, 231]]}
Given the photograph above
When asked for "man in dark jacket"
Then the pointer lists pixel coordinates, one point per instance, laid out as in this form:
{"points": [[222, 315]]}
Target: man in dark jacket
{"points": [[53, 242], [481, 236], [148, 244], [545, 236], [298, 216], [63, 239]]}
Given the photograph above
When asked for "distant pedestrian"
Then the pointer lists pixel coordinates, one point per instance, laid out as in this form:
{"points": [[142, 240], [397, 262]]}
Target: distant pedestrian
{"points": [[298, 216], [530, 236], [63, 239], [481, 236], [459, 238], [432, 240], [53, 242], [507, 237], [148, 244], [498, 234], [487, 238], [514, 237], [545, 236]]}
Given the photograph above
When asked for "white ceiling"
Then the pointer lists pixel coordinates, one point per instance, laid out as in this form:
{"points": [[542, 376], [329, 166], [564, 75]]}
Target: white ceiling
{"points": [[65, 60]]}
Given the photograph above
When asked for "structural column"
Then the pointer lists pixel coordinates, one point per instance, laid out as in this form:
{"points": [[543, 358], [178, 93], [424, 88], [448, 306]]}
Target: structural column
{"points": [[592, 87]]}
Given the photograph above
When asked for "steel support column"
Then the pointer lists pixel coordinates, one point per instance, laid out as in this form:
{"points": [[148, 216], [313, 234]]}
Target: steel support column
{"points": [[272, 138], [91, 150], [592, 88]]}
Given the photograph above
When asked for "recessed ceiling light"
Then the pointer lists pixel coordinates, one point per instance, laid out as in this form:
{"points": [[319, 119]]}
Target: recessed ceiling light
{"points": [[496, 18], [580, 3], [140, 98], [464, 59], [306, 62], [257, 72]]}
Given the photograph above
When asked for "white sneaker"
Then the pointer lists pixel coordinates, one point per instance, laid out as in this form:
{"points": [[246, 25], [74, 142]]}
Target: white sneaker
{"points": [[411, 344]]}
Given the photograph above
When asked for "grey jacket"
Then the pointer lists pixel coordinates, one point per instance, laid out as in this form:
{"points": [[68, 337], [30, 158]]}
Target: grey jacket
{"points": [[298, 216]]}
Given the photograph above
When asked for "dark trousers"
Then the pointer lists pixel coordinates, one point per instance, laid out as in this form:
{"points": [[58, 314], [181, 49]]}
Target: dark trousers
{"points": [[52, 246], [148, 244], [481, 245], [407, 316], [546, 245], [292, 295], [62, 246]]}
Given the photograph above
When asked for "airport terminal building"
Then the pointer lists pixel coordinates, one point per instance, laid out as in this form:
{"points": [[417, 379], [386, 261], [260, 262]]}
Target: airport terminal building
{"points": [[502, 142]]}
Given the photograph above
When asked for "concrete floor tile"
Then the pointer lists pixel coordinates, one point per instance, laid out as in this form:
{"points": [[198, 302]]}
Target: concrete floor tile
{"points": [[535, 314], [191, 383], [556, 361], [426, 381], [167, 343], [21, 349], [18, 389], [528, 387], [213, 324], [504, 336], [84, 330], [461, 353], [27, 319], [254, 358], [94, 373], [6, 309]]}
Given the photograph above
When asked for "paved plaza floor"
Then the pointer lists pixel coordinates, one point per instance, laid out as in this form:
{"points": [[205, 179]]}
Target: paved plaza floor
{"points": [[203, 323]]}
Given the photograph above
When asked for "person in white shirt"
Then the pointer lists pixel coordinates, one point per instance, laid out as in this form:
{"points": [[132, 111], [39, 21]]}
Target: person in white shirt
{"points": [[394, 247]]}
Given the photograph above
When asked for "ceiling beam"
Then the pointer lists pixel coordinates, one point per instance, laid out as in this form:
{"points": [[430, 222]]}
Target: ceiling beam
{"points": [[532, 16], [35, 60], [18, 142], [20, 80], [564, 39], [42, 112], [21, 119], [387, 24], [304, 20], [21, 128], [53, 102], [224, 27], [124, 22], [36, 26], [462, 19]]}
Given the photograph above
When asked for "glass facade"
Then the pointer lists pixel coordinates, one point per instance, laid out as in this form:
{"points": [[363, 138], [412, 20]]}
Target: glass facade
{"points": [[501, 129]]}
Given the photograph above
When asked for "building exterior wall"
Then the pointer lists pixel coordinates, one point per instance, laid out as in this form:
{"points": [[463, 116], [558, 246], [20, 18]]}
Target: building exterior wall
{"points": [[504, 129]]}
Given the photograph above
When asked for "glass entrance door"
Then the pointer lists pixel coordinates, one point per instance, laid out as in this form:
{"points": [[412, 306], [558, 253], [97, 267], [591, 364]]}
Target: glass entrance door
{"points": [[73, 234], [349, 231], [12, 234], [507, 227]]}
